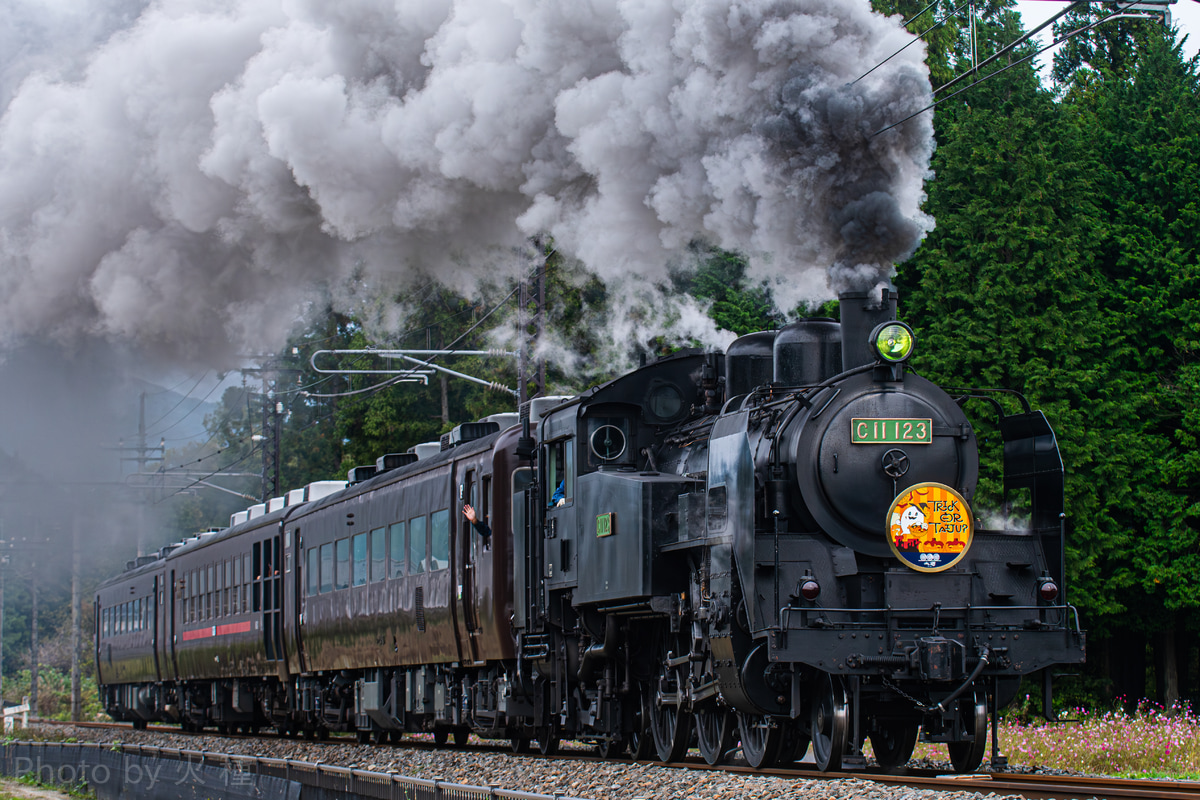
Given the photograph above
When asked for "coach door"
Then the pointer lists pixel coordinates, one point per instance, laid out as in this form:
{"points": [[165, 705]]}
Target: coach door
{"points": [[268, 584], [467, 556], [167, 628], [293, 590]]}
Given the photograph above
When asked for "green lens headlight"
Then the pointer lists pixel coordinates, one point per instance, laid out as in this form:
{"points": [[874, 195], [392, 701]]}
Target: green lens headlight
{"points": [[893, 341]]}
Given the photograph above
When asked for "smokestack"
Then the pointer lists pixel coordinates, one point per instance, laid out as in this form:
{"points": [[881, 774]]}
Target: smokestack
{"points": [[861, 312]]}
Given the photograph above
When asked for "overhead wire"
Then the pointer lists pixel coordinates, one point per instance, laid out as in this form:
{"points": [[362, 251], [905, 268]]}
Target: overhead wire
{"points": [[371, 389], [953, 13], [178, 422], [1118, 14], [253, 450], [399, 378]]}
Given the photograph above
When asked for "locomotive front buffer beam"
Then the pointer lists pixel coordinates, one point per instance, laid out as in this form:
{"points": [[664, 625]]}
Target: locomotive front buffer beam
{"points": [[926, 655]]}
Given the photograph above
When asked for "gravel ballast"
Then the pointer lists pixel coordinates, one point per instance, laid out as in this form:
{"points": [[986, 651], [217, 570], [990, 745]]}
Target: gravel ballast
{"points": [[485, 766]]}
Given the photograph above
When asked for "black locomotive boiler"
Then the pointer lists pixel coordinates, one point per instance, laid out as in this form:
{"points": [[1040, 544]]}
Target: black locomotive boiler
{"points": [[775, 545]]}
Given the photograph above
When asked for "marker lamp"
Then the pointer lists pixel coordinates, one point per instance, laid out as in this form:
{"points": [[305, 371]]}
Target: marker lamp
{"points": [[893, 341]]}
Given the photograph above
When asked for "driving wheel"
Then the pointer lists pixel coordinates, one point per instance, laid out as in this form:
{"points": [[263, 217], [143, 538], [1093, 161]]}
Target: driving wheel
{"points": [[612, 746], [714, 733], [967, 756], [830, 722], [793, 747], [547, 736], [761, 739], [641, 743], [893, 741], [670, 725]]}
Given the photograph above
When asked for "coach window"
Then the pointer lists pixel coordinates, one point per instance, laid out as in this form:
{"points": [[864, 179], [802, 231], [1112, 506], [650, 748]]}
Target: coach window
{"points": [[378, 554], [326, 568], [313, 584], [398, 550], [439, 529], [219, 590], [137, 614], [416, 545], [246, 573], [341, 576], [561, 455], [359, 569]]}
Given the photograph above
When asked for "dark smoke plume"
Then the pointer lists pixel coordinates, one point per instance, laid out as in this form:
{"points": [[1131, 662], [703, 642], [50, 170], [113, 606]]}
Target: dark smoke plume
{"points": [[186, 175]]}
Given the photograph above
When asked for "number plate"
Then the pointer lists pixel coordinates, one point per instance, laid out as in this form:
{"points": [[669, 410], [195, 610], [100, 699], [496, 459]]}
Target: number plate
{"points": [[891, 431]]}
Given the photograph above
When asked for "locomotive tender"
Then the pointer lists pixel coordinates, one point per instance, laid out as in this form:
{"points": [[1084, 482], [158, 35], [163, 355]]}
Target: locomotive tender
{"points": [[775, 545]]}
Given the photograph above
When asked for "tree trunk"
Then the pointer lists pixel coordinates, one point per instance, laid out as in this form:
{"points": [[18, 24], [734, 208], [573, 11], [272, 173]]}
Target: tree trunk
{"points": [[445, 398], [1127, 666], [1167, 667]]}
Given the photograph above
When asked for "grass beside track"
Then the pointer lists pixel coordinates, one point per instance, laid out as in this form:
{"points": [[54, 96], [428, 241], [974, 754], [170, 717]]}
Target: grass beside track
{"points": [[1154, 742]]}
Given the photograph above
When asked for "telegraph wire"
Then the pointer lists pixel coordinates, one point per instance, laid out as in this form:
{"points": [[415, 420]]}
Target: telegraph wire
{"points": [[953, 13], [253, 450], [392, 381], [1118, 14]]}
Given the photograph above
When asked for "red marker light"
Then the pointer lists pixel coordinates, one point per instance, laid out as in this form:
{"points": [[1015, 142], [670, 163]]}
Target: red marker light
{"points": [[1048, 590], [810, 589]]}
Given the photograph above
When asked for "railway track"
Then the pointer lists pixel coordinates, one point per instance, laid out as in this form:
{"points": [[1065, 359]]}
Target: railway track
{"points": [[1033, 786]]}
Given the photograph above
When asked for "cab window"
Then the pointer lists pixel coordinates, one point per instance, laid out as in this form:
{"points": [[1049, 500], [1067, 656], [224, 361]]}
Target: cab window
{"points": [[560, 458]]}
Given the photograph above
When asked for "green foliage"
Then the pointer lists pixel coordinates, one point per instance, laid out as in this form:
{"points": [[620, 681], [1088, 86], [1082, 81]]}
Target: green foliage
{"points": [[721, 280], [1111, 50], [947, 34], [54, 693], [1065, 265]]}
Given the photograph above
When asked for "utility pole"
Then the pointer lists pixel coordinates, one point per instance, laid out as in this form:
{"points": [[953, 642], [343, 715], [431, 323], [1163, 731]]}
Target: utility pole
{"points": [[270, 447], [3, 564], [76, 700], [33, 640], [272, 412], [143, 455]]}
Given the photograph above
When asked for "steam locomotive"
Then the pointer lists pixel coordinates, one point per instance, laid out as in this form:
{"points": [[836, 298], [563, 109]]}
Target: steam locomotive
{"points": [[775, 545]]}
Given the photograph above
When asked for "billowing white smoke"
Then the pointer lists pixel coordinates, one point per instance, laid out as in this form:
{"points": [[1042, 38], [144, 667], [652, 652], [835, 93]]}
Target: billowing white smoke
{"points": [[191, 181]]}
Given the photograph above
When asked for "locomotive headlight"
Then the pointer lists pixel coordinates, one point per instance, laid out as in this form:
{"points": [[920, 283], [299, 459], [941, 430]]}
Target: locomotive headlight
{"points": [[893, 341]]}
